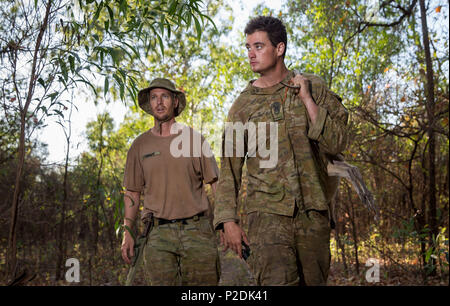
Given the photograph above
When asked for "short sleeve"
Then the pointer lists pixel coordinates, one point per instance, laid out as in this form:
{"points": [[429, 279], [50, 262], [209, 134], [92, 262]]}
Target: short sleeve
{"points": [[133, 178], [210, 171]]}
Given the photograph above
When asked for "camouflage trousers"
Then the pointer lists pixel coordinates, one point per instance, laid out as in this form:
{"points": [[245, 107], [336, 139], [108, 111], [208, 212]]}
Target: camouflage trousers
{"points": [[182, 253], [289, 250]]}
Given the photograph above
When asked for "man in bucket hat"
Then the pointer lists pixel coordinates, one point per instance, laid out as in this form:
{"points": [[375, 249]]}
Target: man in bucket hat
{"points": [[181, 248]]}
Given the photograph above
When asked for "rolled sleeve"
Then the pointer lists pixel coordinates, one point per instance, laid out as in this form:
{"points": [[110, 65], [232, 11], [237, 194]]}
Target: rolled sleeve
{"points": [[316, 129], [330, 128], [219, 223]]}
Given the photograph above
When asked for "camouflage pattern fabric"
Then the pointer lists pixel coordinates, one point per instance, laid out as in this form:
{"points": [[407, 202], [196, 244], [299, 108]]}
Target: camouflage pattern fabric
{"points": [[289, 251], [235, 271], [300, 175], [289, 203], [182, 253]]}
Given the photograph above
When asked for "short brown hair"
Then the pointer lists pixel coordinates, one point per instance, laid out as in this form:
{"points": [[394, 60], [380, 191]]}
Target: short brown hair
{"points": [[274, 28]]}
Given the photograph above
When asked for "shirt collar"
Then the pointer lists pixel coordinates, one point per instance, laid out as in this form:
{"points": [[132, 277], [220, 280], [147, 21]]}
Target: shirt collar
{"points": [[268, 90]]}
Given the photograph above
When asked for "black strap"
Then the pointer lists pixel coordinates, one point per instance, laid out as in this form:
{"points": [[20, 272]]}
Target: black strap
{"points": [[183, 220]]}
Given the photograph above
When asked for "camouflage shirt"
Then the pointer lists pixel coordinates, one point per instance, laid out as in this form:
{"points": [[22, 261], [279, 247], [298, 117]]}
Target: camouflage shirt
{"points": [[299, 174]]}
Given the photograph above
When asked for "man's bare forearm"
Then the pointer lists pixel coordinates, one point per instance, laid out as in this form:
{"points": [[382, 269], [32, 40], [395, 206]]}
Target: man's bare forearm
{"points": [[312, 108], [131, 201]]}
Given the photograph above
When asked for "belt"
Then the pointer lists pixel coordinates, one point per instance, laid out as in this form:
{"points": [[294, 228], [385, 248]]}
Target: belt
{"points": [[159, 221]]}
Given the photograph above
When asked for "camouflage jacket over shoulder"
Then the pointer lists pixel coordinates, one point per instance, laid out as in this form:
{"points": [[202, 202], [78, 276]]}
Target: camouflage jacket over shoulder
{"points": [[275, 122]]}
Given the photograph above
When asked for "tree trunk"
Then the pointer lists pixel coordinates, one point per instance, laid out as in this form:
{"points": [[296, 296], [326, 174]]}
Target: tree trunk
{"points": [[354, 230], [99, 198], [429, 90], [340, 230], [12, 243], [61, 231]]}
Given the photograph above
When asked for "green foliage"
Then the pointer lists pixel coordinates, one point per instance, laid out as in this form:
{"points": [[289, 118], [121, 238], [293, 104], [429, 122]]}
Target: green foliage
{"points": [[84, 39], [371, 54], [113, 48], [209, 72], [437, 252], [121, 33], [326, 41]]}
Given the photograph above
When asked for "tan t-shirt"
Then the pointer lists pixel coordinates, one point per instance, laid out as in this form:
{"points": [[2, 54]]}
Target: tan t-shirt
{"points": [[173, 185]]}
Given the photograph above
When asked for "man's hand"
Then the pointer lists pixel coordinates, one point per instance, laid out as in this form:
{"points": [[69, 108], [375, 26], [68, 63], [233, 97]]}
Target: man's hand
{"points": [[302, 82], [233, 236], [127, 247], [131, 203], [222, 238]]}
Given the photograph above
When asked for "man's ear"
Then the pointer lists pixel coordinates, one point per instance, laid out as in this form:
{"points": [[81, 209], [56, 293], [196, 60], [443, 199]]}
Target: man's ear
{"points": [[280, 48]]}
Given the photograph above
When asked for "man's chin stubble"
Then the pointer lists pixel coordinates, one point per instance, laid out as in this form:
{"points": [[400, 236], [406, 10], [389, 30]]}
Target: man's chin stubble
{"points": [[163, 118]]}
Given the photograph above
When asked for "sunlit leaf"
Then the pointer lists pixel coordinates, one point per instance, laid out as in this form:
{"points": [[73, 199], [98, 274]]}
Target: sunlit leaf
{"points": [[106, 86], [41, 81]]}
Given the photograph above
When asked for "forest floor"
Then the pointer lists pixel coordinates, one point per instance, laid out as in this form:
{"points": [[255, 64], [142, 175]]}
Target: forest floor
{"points": [[390, 275], [235, 272]]}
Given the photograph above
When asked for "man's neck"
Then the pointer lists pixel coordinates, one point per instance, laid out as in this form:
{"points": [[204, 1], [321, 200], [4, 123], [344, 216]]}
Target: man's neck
{"points": [[272, 76], [163, 128]]}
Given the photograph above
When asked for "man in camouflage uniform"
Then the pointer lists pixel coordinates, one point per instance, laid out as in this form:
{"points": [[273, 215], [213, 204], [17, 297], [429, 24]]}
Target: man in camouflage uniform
{"points": [[181, 249], [287, 203]]}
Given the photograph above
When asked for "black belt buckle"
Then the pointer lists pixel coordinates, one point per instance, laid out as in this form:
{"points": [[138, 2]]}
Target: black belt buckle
{"points": [[183, 221]]}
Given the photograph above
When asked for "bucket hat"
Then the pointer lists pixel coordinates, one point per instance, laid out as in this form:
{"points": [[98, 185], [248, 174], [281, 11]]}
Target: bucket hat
{"points": [[143, 95]]}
